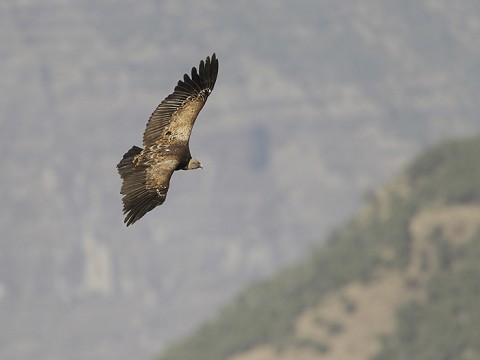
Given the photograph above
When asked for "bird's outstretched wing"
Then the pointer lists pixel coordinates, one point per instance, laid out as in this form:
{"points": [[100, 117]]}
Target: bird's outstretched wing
{"points": [[145, 182], [173, 119]]}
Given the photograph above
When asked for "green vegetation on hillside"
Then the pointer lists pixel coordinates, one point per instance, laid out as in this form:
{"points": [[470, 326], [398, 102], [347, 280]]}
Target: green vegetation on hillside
{"points": [[447, 325], [265, 312], [448, 173]]}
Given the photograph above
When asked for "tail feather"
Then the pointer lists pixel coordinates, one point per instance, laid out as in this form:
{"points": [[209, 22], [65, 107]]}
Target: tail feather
{"points": [[137, 199], [125, 166]]}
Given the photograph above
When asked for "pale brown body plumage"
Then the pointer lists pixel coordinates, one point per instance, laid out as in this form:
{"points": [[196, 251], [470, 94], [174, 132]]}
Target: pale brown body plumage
{"points": [[146, 172]]}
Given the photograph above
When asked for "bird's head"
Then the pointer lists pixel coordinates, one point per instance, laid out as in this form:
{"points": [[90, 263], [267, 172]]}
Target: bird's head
{"points": [[194, 164]]}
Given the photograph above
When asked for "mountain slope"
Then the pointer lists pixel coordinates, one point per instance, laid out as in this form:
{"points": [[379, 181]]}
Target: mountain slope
{"points": [[401, 276]]}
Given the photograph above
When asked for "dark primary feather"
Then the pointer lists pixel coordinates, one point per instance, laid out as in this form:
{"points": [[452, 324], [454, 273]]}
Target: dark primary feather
{"points": [[173, 119], [146, 173]]}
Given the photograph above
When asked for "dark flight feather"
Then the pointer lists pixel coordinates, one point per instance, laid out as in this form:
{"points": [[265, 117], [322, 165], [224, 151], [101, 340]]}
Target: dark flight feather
{"points": [[189, 96], [146, 172]]}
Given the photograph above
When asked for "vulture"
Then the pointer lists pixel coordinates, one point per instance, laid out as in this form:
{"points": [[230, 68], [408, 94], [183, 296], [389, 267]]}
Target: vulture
{"points": [[146, 172]]}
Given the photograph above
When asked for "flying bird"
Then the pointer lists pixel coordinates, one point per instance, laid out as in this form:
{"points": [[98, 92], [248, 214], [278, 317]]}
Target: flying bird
{"points": [[146, 172]]}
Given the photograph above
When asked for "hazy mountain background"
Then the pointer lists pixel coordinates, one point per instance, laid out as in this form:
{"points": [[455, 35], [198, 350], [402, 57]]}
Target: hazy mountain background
{"points": [[316, 103], [399, 280]]}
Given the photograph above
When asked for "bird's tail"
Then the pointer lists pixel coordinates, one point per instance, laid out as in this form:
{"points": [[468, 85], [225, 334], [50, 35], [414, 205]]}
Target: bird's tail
{"points": [[125, 166], [136, 199]]}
